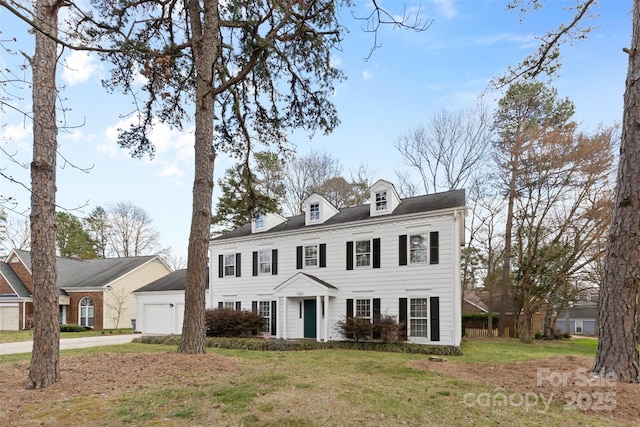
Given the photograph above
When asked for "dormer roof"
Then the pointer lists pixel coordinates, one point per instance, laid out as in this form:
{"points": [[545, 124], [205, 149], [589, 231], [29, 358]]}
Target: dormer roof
{"points": [[384, 198], [317, 210], [266, 222]]}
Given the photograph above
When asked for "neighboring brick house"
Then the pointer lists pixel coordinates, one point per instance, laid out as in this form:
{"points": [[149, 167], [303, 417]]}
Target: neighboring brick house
{"points": [[95, 293]]}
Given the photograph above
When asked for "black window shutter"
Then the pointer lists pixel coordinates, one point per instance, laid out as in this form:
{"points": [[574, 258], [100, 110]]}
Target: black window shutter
{"points": [[376, 317], [434, 238], [220, 266], [220, 304], [274, 262], [255, 263], [402, 249], [323, 254], [299, 257], [349, 314], [238, 305], [376, 253], [402, 315], [238, 263], [349, 255], [434, 308], [274, 317], [254, 309]]}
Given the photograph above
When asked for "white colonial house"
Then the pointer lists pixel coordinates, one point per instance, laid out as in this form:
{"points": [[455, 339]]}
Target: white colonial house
{"points": [[305, 273]]}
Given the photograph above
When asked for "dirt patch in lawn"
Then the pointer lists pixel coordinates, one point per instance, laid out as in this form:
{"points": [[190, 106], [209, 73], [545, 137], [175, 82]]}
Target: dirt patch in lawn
{"points": [[565, 380], [107, 375]]}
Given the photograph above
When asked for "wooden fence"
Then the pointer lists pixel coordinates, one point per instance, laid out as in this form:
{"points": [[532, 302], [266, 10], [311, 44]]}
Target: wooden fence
{"points": [[476, 332]]}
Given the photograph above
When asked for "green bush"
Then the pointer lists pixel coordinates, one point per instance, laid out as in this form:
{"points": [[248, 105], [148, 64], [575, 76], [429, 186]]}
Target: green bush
{"points": [[305, 345], [226, 322], [72, 327]]}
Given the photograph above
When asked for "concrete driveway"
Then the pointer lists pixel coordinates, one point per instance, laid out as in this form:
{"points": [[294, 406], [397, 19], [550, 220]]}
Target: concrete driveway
{"points": [[67, 343]]}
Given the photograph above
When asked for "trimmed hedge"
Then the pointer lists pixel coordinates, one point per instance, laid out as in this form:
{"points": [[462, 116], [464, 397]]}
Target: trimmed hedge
{"points": [[72, 327], [304, 345]]}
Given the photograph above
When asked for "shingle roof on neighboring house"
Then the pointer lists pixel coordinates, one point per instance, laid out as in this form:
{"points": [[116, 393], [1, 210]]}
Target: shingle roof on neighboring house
{"points": [[174, 281], [17, 285], [411, 205], [90, 273]]}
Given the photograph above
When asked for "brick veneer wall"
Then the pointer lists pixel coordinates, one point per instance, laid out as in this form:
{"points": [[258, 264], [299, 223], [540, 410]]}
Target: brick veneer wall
{"points": [[98, 304]]}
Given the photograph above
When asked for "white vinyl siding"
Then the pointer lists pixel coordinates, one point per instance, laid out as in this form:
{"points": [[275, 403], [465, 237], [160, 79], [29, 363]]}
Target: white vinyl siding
{"points": [[388, 283]]}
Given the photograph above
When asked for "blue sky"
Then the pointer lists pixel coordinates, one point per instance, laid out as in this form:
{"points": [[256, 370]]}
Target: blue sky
{"points": [[410, 77]]}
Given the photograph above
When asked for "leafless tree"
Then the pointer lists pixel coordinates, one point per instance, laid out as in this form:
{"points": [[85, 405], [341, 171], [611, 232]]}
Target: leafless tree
{"points": [[449, 148], [131, 231], [116, 300]]}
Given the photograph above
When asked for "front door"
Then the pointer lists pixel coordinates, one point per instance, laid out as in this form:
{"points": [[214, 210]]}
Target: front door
{"points": [[309, 318]]}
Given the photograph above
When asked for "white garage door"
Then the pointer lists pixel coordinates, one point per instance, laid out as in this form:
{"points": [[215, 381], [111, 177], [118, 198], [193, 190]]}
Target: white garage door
{"points": [[156, 319], [9, 317]]}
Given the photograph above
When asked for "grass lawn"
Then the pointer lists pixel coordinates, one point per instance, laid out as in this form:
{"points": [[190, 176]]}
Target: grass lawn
{"points": [[311, 388]]}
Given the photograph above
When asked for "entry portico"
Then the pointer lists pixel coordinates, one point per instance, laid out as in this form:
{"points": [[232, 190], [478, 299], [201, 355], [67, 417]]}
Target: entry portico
{"points": [[306, 301]]}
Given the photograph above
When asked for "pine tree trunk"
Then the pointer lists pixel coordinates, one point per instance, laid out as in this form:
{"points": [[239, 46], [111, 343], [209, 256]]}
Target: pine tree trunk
{"points": [[44, 370], [617, 353], [506, 266], [204, 23]]}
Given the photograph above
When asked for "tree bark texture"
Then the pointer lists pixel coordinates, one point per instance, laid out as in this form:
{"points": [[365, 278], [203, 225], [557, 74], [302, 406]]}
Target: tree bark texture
{"points": [[45, 357], [617, 354], [205, 24]]}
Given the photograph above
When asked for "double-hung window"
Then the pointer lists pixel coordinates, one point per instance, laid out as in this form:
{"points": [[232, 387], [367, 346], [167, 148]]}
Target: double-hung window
{"points": [[418, 248], [260, 222], [264, 308], [381, 201], [311, 256], [264, 261], [418, 317], [230, 265], [363, 308], [314, 212], [363, 253]]}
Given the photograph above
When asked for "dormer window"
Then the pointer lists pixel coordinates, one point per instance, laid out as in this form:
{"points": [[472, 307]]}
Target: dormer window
{"points": [[314, 212], [260, 222], [381, 201]]}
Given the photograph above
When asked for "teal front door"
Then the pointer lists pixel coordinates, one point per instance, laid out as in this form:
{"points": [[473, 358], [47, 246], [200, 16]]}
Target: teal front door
{"points": [[309, 318]]}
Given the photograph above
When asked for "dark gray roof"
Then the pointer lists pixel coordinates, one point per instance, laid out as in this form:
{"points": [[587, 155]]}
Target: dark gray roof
{"points": [[90, 273], [14, 281], [411, 205], [319, 281], [578, 313], [175, 281]]}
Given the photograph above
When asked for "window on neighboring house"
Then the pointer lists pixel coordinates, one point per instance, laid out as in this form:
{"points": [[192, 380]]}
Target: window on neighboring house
{"points": [[265, 311], [381, 201], [264, 261], [418, 317], [86, 312], [311, 256], [230, 265], [418, 248], [314, 212], [578, 326], [363, 253], [363, 308], [260, 222]]}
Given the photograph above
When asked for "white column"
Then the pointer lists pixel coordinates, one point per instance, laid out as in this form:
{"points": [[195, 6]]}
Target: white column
{"points": [[284, 312], [318, 316], [326, 318]]}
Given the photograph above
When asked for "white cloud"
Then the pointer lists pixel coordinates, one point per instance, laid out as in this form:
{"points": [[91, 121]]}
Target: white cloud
{"points": [[78, 67], [367, 75], [446, 7]]}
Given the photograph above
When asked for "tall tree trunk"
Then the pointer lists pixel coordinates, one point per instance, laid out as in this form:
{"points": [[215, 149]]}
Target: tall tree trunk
{"points": [[524, 331], [205, 25], [617, 332], [548, 332], [506, 266], [45, 357]]}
